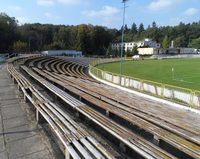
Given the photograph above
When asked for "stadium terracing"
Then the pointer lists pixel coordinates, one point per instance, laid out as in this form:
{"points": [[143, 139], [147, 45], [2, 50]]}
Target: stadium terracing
{"points": [[138, 127]]}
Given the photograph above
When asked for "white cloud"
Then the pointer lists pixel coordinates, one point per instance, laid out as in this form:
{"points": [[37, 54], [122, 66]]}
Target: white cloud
{"points": [[65, 2], [161, 4], [191, 11], [107, 11], [108, 15], [15, 8], [45, 2], [111, 22], [51, 16], [71, 2]]}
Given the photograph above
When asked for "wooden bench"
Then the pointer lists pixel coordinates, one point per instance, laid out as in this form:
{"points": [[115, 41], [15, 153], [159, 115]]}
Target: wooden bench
{"points": [[78, 144], [133, 141], [179, 141]]}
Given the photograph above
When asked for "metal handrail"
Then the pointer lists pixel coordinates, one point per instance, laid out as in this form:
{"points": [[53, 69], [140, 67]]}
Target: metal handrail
{"points": [[98, 73]]}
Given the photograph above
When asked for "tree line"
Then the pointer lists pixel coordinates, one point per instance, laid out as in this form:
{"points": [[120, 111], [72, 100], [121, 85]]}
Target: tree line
{"points": [[92, 40], [183, 35]]}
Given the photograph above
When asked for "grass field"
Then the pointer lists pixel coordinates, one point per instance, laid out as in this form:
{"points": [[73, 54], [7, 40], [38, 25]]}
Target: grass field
{"points": [[186, 71]]}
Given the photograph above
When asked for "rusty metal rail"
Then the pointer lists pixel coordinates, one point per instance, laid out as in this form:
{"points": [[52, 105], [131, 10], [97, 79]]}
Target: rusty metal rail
{"points": [[135, 142], [178, 134], [177, 141], [78, 144], [120, 102], [59, 65], [185, 140]]}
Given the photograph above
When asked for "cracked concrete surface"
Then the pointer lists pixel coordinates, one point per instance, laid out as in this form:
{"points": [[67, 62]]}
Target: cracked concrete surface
{"points": [[20, 136]]}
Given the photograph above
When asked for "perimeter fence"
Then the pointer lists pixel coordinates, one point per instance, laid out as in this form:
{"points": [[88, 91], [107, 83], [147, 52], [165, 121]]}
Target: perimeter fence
{"points": [[188, 97]]}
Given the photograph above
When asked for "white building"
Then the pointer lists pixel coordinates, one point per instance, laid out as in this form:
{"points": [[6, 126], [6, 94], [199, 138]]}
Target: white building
{"points": [[140, 44], [171, 51], [71, 53], [148, 51]]}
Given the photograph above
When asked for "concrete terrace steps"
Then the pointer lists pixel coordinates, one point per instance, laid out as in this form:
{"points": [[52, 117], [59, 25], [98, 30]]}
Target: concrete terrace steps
{"points": [[175, 140], [20, 137], [78, 144], [136, 143], [176, 135]]}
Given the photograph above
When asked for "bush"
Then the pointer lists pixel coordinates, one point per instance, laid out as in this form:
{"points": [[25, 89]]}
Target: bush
{"points": [[135, 51]]}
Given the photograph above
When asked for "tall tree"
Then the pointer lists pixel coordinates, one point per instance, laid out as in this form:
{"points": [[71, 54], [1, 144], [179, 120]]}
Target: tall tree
{"points": [[148, 27], [20, 46], [195, 43], [88, 38], [135, 51], [134, 29], [82, 38], [154, 25], [165, 43], [8, 34], [141, 28], [179, 41], [101, 38]]}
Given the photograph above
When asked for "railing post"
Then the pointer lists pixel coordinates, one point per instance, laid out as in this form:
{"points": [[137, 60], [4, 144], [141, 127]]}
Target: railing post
{"points": [[97, 73], [129, 81], [162, 90], [192, 93], [112, 78], [141, 86], [159, 87]]}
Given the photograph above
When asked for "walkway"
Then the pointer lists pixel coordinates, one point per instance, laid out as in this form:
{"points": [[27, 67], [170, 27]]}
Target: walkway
{"points": [[20, 137]]}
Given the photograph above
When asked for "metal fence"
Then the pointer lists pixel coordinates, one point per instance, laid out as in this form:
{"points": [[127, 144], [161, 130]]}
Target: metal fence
{"points": [[188, 97]]}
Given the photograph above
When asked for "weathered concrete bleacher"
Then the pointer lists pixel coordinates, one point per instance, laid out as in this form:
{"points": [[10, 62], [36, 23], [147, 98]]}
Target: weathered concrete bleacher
{"points": [[61, 76], [77, 142], [180, 135], [141, 146]]}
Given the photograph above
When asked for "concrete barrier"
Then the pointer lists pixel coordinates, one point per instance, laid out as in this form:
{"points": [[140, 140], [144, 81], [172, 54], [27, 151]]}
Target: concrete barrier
{"points": [[176, 94]]}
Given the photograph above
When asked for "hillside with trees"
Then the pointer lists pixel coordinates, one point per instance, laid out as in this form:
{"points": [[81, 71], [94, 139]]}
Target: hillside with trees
{"points": [[92, 40]]}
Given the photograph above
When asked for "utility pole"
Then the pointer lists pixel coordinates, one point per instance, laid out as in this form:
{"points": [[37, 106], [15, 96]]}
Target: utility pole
{"points": [[122, 43]]}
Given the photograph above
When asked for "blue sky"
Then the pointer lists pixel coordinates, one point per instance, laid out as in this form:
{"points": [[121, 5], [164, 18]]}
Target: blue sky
{"points": [[102, 12]]}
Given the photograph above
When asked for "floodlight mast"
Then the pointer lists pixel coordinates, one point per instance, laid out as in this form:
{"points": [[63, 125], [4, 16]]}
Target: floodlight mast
{"points": [[122, 43]]}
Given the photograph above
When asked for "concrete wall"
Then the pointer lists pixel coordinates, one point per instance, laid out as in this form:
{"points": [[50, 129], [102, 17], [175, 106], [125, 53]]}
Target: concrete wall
{"points": [[159, 90], [154, 51], [179, 51], [147, 51], [187, 51]]}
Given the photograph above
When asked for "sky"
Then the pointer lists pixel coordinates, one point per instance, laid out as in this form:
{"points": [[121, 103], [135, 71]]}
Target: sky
{"points": [[102, 12]]}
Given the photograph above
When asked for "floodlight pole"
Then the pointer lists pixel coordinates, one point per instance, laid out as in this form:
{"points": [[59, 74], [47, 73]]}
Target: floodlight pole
{"points": [[122, 43]]}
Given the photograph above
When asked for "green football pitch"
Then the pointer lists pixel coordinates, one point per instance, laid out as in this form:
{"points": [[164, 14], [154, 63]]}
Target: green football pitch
{"points": [[177, 72]]}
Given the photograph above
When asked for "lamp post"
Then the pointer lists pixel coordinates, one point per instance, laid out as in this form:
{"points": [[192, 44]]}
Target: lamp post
{"points": [[122, 43]]}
